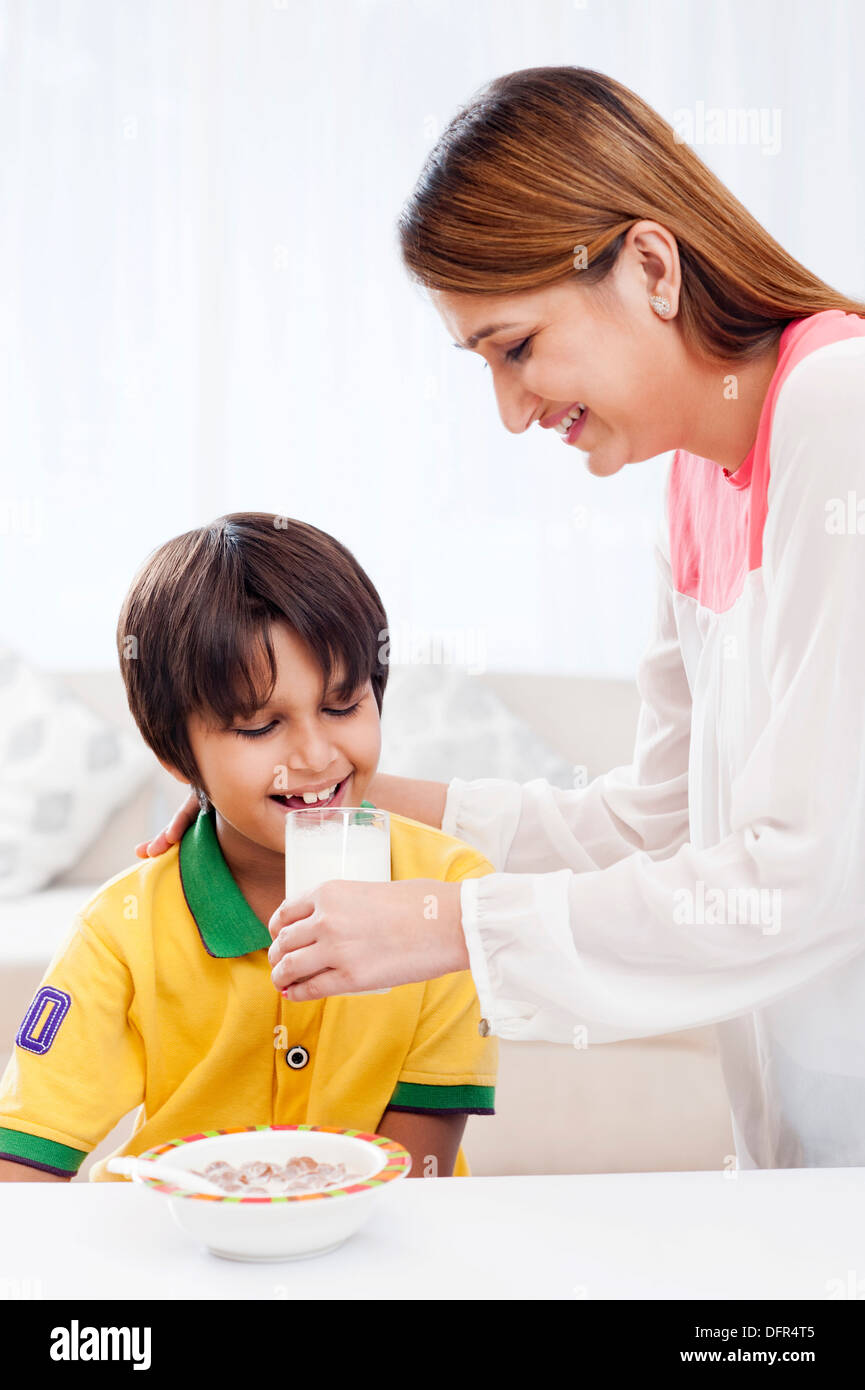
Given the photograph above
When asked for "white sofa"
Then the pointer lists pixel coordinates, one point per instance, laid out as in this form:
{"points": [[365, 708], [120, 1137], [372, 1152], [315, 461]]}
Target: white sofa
{"points": [[652, 1104]]}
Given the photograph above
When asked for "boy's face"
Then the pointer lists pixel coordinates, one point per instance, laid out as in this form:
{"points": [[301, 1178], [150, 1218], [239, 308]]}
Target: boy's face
{"points": [[310, 741]]}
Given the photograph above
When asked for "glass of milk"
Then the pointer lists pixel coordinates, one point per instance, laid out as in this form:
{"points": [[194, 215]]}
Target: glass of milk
{"points": [[344, 842]]}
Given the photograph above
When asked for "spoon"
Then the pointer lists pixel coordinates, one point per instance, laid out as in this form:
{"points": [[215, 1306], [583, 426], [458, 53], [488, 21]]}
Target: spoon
{"points": [[129, 1166]]}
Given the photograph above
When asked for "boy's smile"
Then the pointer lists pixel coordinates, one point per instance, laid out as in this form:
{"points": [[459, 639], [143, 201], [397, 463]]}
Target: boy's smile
{"points": [[304, 797], [305, 740]]}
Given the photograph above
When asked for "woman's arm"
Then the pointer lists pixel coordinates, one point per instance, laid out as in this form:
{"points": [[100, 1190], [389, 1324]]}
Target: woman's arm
{"points": [[649, 945], [407, 796], [637, 948]]}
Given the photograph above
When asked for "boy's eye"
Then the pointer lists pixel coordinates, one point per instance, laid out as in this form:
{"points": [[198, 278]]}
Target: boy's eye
{"points": [[342, 713], [256, 733]]}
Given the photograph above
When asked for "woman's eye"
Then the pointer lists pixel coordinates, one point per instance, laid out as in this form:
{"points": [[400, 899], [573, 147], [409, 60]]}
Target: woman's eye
{"points": [[343, 713], [255, 733], [514, 354]]}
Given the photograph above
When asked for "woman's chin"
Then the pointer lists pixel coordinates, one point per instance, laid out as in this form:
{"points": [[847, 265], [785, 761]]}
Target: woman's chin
{"points": [[602, 466]]}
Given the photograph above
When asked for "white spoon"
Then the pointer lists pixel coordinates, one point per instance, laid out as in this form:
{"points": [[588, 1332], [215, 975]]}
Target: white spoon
{"points": [[147, 1168]]}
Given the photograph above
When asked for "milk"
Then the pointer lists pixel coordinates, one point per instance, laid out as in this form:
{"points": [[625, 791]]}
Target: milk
{"points": [[317, 852], [343, 842]]}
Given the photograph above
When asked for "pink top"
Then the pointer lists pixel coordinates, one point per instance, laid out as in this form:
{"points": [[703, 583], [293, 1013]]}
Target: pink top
{"points": [[717, 517]]}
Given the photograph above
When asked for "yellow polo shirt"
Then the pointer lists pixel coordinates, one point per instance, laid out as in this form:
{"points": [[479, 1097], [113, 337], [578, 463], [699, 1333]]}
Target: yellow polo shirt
{"points": [[161, 997]]}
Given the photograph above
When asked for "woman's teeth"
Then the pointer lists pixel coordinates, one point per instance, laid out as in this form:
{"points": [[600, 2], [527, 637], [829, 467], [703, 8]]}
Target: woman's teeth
{"points": [[568, 420]]}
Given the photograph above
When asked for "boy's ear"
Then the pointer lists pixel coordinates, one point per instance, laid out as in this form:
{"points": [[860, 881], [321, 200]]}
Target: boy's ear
{"points": [[169, 767]]}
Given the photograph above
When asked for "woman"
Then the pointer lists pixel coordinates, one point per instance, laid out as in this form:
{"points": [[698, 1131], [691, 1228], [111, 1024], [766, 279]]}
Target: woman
{"points": [[566, 236]]}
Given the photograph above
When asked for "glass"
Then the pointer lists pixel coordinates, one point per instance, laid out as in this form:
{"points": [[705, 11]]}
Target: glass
{"points": [[336, 842]]}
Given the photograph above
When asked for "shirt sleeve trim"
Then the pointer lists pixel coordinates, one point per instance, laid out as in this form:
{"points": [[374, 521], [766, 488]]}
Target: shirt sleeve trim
{"points": [[20, 1146], [471, 1100], [439, 1110]]}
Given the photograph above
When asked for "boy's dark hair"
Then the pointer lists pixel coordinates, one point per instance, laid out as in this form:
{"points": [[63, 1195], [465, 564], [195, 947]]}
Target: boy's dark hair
{"points": [[195, 624]]}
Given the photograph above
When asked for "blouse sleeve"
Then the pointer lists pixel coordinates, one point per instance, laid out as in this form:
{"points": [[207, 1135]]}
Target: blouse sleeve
{"points": [[617, 950]]}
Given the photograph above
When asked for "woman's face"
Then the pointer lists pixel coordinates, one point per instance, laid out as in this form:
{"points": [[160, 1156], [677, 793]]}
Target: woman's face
{"points": [[601, 346]]}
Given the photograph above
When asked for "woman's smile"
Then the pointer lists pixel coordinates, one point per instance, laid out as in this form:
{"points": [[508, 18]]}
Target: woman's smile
{"points": [[572, 426]]}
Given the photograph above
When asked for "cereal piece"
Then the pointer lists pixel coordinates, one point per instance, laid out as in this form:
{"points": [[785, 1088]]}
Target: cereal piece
{"points": [[253, 1172], [298, 1175]]}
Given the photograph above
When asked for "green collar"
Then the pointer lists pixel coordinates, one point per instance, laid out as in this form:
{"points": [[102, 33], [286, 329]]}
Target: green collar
{"points": [[227, 923]]}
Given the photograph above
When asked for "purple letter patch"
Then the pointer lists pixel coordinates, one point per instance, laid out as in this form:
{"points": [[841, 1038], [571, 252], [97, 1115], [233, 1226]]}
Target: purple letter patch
{"points": [[43, 1018]]}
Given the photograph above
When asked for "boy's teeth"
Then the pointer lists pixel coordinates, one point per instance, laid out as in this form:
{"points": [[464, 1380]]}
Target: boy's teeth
{"points": [[311, 797]]}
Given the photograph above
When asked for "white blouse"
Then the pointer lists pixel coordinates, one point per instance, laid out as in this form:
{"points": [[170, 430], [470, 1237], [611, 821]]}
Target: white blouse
{"points": [[720, 878]]}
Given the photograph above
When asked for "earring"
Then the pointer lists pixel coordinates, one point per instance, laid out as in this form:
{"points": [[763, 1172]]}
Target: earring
{"points": [[660, 305]]}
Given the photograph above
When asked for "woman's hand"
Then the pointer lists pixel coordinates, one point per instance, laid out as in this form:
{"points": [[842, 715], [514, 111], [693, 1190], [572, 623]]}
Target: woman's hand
{"points": [[346, 937], [173, 832]]}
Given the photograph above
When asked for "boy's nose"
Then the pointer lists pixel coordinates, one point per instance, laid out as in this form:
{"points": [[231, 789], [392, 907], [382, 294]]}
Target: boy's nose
{"points": [[310, 755]]}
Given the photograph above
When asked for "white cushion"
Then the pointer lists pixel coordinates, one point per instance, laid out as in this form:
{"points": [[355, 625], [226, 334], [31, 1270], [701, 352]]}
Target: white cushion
{"points": [[438, 722], [63, 771]]}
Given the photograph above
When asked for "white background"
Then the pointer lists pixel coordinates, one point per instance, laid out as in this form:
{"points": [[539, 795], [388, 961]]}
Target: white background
{"points": [[203, 309]]}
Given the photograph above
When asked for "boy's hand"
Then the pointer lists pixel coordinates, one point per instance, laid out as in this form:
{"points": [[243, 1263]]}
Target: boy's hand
{"points": [[351, 936], [173, 832]]}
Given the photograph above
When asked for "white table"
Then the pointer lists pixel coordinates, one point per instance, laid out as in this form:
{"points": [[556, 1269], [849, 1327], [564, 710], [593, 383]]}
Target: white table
{"points": [[771, 1234]]}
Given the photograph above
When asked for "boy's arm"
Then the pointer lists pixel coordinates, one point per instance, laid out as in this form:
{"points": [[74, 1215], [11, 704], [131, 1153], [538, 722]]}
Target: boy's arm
{"points": [[449, 1071], [78, 1064], [22, 1172], [426, 1137]]}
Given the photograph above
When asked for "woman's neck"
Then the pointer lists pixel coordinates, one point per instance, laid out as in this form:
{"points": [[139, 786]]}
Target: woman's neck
{"points": [[724, 408]]}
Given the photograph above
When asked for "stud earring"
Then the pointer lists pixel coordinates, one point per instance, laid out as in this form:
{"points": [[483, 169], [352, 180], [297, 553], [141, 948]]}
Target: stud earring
{"points": [[660, 305]]}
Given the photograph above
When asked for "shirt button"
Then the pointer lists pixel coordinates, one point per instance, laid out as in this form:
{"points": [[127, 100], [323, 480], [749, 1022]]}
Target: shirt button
{"points": [[297, 1057], [484, 1027]]}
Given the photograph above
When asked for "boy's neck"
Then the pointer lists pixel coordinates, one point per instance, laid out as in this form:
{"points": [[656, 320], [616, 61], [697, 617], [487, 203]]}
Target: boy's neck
{"points": [[258, 872]]}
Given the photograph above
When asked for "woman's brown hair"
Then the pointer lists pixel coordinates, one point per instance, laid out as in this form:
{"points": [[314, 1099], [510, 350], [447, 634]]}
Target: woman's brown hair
{"points": [[193, 634], [546, 160]]}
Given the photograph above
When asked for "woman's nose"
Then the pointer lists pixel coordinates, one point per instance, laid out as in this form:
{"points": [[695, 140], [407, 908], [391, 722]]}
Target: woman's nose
{"points": [[517, 406]]}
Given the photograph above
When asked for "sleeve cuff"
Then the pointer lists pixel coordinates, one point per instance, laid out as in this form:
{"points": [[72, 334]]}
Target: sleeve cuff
{"points": [[36, 1152], [477, 959], [450, 817], [522, 957], [443, 1100], [485, 814]]}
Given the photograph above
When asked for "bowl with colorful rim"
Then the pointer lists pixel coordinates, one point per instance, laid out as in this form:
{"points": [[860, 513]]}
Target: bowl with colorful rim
{"points": [[289, 1190]]}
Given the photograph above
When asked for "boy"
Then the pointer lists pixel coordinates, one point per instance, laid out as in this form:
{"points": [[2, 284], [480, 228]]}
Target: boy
{"points": [[249, 651]]}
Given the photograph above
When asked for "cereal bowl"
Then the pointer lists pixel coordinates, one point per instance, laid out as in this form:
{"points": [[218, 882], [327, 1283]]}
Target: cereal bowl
{"points": [[262, 1228]]}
